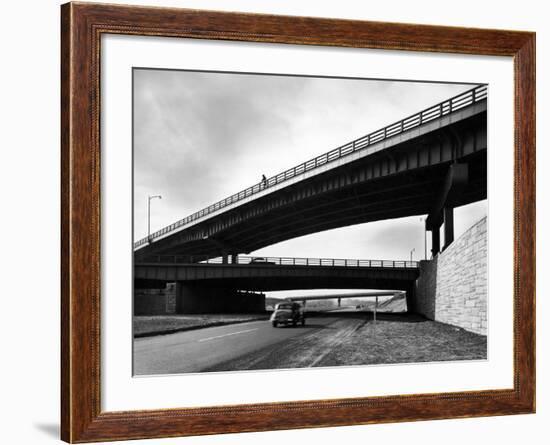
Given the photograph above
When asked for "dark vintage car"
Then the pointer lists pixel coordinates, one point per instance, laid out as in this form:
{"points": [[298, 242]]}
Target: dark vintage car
{"points": [[288, 313], [261, 261]]}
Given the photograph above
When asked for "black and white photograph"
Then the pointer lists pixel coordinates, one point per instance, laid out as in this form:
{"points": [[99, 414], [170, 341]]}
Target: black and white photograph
{"points": [[285, 221], [234, 222]]}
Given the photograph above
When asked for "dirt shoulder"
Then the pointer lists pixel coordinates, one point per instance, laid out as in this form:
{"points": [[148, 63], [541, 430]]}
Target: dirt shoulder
{"points": [[358, 340]]}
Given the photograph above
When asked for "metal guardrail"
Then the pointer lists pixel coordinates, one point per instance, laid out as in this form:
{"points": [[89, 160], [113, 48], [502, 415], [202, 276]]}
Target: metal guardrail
{"points": [[446, 107], [276, 261]]}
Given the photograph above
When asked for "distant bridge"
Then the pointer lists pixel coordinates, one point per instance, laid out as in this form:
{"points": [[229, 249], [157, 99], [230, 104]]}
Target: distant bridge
{"points": [[427, 163], [340, 296]]}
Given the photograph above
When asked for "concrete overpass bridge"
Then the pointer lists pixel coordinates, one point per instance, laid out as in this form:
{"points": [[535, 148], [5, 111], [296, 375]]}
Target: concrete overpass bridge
{"points": [[213, 285], [275, 273], [428, 163]]}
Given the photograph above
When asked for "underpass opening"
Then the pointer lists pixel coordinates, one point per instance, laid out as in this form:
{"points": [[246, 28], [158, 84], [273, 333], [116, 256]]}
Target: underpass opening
{"points": [[341, 301]]}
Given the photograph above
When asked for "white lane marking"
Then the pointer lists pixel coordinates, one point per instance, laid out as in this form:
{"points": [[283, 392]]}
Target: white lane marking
{"points": [[227, 335], [221, 326]]}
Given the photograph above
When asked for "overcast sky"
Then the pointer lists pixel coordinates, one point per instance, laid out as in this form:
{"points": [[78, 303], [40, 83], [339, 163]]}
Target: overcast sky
{"points": [[199, 137]]}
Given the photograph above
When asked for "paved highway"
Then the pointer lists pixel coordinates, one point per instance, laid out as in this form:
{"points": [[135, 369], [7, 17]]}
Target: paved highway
{"points": [[204, 349]]}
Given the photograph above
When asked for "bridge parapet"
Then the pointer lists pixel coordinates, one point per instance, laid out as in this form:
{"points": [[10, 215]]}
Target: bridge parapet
{"points": [[278, 261]]}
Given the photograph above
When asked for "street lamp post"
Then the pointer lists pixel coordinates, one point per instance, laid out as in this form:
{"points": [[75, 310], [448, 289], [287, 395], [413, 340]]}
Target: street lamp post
{"points": [[149, 215]]}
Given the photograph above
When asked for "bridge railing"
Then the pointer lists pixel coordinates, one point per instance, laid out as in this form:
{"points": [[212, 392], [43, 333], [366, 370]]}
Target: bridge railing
{"points": [[277, 261], [446, 107]]}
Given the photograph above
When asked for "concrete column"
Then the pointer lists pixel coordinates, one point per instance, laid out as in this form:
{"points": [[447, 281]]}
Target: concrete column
{"points": [[435, 241], [410, 296], [448, 215]]}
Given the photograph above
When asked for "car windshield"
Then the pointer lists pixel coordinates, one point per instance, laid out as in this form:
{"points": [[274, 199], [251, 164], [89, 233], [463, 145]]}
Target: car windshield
{"points": [[284, 306]]}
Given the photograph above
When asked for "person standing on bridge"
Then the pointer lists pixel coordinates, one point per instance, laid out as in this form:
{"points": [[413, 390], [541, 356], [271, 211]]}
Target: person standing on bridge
{"points": [[264, 181]]}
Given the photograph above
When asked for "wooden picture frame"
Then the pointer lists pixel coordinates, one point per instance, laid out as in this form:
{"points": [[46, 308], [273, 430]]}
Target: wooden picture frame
{"points": [[82, 26]]}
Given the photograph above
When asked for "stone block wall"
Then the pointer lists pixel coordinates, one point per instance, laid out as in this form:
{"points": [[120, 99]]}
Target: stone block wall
{"points": [[155, 301], [452, 288], [423, 301]]}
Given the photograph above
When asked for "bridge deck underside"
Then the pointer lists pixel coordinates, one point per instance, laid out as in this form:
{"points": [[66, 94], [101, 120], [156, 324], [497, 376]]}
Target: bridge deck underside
{"points": [[402, 180], [270, 278]]}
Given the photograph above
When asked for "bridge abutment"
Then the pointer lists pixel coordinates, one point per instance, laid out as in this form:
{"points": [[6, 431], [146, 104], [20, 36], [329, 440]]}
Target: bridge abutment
{"points": [[452, 287], [157, 299]]}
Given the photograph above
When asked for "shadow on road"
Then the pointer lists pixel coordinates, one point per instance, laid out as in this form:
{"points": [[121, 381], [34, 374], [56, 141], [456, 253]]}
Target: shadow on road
{"points": [[307, 326]]}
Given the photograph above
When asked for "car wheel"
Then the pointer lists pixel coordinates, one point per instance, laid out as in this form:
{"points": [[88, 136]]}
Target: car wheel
{"points": [[274, 324]]}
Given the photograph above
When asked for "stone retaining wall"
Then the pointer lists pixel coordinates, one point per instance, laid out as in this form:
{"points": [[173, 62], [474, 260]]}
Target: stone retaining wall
{"points": [[452, 288]]}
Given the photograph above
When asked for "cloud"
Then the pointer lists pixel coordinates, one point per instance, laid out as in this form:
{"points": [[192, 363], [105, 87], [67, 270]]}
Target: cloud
{"points": [[194, 129]]}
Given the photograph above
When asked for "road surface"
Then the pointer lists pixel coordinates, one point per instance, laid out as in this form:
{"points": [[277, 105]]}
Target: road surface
{"points": [[330, 339], [203, 349]]}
